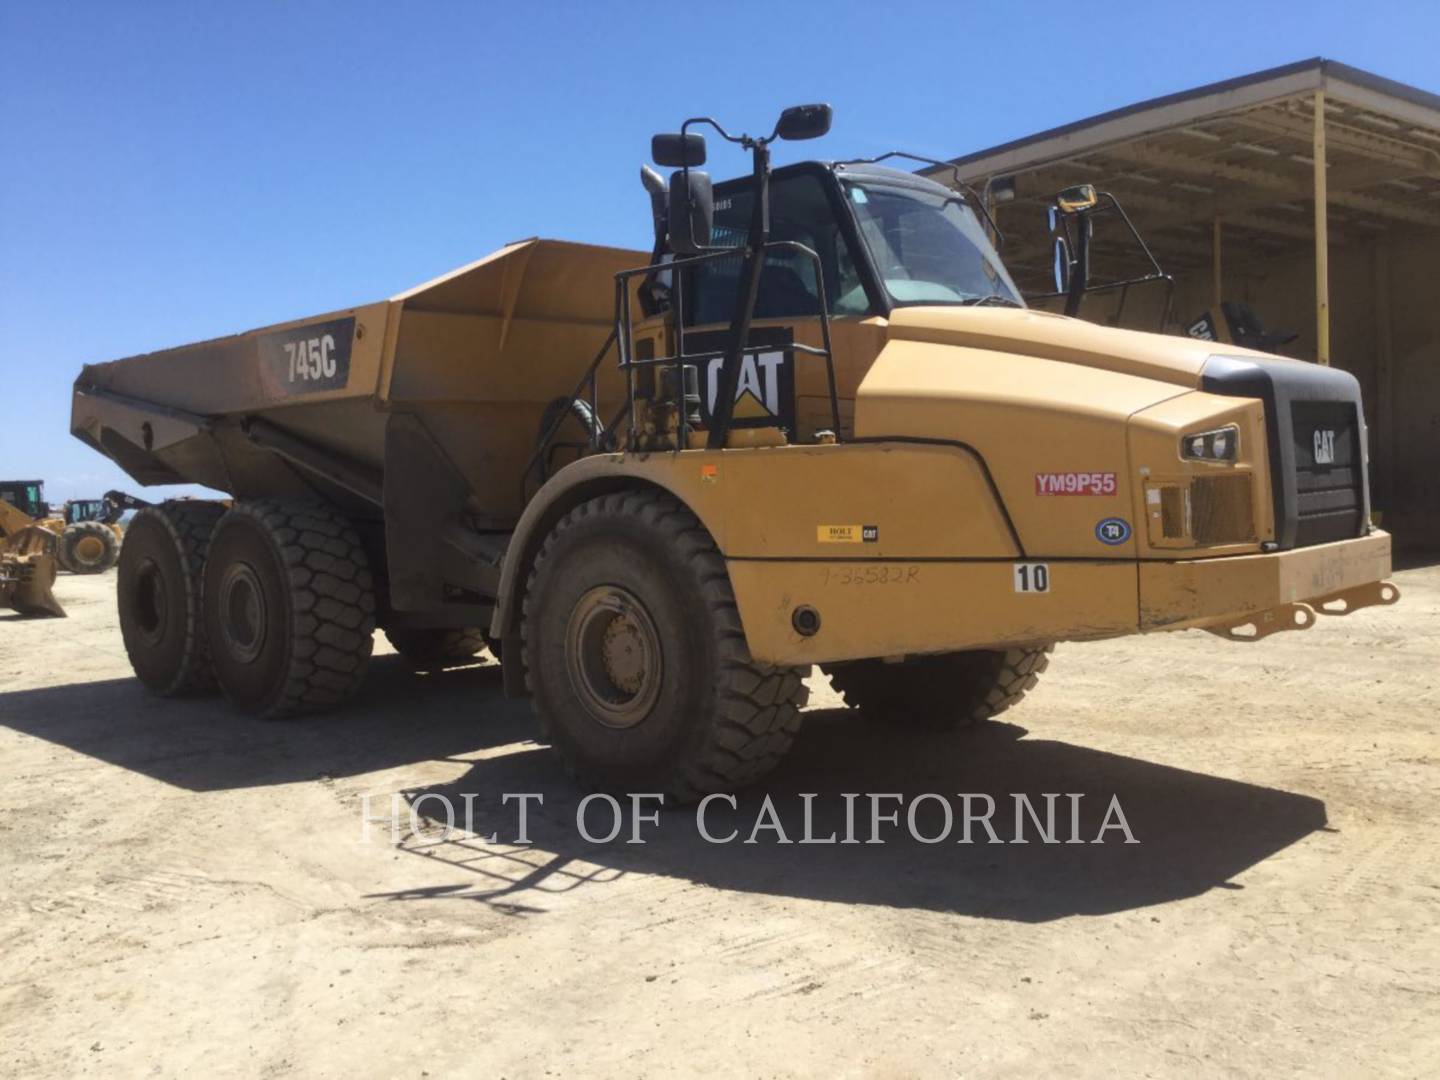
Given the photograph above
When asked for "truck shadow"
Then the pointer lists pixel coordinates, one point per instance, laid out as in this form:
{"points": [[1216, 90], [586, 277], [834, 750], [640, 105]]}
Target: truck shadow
{"points": [[1196, 831], [402, 717]]}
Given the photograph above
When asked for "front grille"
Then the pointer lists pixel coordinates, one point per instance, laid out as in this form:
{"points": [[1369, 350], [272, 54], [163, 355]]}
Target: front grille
{"points": [[1318, 497], [1221, 509], [1329, 480], [1174, 524]]}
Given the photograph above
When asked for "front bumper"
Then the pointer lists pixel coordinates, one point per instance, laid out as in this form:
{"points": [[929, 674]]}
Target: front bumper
{"points": [[1278, 591]]}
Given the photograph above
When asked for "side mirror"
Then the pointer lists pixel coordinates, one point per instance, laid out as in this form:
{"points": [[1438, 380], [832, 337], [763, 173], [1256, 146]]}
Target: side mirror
{"points": [[1079, 197], [692, 212], [1062, 264], [804, 122], [678, 151]]}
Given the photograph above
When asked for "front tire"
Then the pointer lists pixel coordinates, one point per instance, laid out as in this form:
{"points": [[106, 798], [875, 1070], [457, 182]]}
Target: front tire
{"points": [[636, 660], [949, 690], [289, 607]]}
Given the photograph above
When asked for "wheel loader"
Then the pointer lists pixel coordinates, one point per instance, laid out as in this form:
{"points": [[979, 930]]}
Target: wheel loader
{"points": [[816, 425], [27, 553], [91, 531], [88, 530]]}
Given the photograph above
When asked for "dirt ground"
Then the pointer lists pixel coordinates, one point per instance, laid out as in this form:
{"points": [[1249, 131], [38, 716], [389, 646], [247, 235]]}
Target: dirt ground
{"points": [[188, 892]]}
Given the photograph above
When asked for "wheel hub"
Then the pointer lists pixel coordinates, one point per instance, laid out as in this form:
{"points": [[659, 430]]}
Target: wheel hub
{"points": [[89, 550], [150, 602], [243, 613], [612, 652]]}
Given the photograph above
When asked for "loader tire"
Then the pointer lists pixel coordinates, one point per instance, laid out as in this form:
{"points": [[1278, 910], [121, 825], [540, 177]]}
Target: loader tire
{"points": [[289, 607], [946, 691], [636, 660], [88, 547], [158, 591], [438, 647]]}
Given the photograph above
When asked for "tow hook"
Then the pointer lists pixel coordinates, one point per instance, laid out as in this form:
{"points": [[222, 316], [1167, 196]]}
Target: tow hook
{"points": [[1370, 594], [1262, 624], [1301, 616]]}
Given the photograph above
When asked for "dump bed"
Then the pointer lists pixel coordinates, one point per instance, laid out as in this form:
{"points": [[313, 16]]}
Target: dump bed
{"points": [[471, 359]]}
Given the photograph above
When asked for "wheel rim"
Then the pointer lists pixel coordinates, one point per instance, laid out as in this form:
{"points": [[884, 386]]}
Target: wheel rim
{"points": [[89, 550], [151, 605], [612, 651], [242, 612]]}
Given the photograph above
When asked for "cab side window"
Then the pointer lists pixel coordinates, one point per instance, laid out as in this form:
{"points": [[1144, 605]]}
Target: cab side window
{"points": [[801, 212]]}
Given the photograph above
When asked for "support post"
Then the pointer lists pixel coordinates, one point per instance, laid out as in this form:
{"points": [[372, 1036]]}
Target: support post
{"points": [[1216, 289], [1385, 464], [1322, 239]]}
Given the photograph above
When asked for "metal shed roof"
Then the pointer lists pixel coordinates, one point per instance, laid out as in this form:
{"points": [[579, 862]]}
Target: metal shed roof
{"points": [[1240, 151]]}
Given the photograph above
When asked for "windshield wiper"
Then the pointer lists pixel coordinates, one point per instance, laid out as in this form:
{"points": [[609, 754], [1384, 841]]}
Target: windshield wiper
{"points": [[991, 298]]}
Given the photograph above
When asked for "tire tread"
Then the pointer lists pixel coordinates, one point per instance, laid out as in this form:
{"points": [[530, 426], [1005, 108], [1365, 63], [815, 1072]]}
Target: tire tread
{"points": [[759, 705], [332, 602]]}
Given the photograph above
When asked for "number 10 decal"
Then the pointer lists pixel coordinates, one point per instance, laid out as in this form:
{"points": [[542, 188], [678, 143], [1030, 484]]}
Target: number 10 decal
{"points": [[1032, 577]]}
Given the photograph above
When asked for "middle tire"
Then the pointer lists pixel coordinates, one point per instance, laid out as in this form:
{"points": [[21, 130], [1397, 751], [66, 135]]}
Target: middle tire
{"points": [[438, 646], [945, 690], [636, 659], [289, 607]]}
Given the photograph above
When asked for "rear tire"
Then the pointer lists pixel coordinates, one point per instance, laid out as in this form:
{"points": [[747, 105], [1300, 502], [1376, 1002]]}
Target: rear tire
{"points": [[158, 590], [289, 607], [88, 547], [636, 660], [950, 690], [438, 647]]}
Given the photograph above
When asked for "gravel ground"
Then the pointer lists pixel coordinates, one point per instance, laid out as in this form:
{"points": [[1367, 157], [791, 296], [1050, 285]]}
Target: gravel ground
{"points": [[190, 892]]}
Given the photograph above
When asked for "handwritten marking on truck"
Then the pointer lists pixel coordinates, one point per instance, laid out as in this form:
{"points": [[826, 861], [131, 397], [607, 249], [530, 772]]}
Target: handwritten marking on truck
{"points": [[1032, 577], [871, 574], [1076, 483], [307, 359]]}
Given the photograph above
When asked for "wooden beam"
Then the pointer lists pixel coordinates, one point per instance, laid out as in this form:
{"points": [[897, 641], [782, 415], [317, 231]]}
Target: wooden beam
{"points": [[1275, 187], [1217, 291], [1322, 238], [1372, 145], [1383, 408]]}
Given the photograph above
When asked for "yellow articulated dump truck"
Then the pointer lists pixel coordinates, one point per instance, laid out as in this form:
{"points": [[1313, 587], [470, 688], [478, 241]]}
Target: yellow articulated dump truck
{"points": [[816, 425]]}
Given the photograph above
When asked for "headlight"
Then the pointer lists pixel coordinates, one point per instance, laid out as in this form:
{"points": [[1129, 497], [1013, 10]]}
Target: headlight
{"points": [[1218, 445]]}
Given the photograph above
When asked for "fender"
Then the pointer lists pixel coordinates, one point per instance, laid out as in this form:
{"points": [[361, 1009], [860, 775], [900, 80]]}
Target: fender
{"points": [[887, 499]]}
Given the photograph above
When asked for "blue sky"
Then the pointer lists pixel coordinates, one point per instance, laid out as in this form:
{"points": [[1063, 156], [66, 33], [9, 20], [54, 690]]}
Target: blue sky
{"points": [[175, 171]]}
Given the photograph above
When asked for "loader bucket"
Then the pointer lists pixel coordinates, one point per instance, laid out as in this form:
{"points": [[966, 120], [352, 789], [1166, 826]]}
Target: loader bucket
{"points": [[27, 572]]}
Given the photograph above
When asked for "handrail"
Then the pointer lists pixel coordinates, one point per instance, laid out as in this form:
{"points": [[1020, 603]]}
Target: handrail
{"points": [[587, 379], [680, 357]]}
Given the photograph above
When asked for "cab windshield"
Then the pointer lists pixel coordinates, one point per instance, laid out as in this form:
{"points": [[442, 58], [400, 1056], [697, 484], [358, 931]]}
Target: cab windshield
{"points": [[928, 247]]}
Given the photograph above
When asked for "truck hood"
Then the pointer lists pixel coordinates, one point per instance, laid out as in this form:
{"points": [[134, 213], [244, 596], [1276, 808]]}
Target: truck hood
{"points": [[1030, 332]]}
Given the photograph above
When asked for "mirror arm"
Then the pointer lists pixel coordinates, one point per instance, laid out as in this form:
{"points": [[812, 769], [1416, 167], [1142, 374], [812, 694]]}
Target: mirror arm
{"points": [[684, 128], [1079, 266]]}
